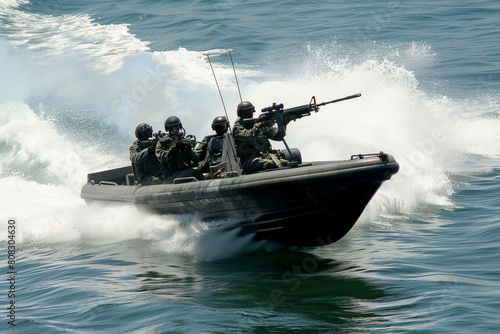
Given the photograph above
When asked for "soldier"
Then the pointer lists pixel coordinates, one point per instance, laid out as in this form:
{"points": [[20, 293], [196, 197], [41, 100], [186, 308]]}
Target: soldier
{"points": [[253, 146], [208, 152], [142, 155], [175, 153]]}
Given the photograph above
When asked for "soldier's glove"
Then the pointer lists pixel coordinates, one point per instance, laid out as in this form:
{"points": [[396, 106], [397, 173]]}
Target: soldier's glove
{"points": [[265, 123], [165, 141]]}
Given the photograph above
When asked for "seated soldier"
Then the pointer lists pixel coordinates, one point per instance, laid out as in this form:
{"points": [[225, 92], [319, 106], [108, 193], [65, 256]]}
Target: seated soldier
{"points": [[253, 145], [220, 125], [142, 155], [175, 153]]}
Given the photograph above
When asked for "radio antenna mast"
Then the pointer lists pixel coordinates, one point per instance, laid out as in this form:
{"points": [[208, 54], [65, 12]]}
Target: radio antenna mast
{"points": [[234, 70], [220, 94]]}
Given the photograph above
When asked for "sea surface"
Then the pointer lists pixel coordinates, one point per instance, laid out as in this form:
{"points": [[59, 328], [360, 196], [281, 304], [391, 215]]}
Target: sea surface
{"points": [[76, 77]]}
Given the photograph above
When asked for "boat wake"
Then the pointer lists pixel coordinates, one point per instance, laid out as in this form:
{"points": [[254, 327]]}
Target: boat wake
{"points": [[55, 214]]}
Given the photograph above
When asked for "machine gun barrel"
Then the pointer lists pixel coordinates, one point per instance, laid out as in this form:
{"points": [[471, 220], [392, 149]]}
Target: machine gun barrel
{"points": [[338, 100], [276, 111]]}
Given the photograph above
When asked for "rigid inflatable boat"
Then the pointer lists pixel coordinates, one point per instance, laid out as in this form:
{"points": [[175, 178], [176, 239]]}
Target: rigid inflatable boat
{"points": [[304, 204]]}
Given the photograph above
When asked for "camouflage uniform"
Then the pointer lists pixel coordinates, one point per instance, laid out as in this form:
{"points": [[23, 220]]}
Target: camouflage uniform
{"points": [[202, 151], [254, 148], [145, 165], [177, 160]]}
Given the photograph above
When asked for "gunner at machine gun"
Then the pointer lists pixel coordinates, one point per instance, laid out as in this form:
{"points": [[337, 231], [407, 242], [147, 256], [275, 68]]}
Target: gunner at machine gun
{"points": [[252, 135], [252, 142]]}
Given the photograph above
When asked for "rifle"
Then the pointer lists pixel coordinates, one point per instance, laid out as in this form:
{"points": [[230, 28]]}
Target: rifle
{"points": [[151, 141], [189, 140], [276, 111]]}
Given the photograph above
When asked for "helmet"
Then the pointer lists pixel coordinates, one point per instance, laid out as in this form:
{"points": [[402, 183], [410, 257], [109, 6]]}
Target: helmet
{"points": [[220, 125], [245, 109], [173, 122], [143, 131], [174, 127]]}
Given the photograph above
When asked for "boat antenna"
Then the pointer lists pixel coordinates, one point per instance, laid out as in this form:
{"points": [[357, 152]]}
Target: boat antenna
{"points": [[234, 70], [233, 148], [220, 94]]}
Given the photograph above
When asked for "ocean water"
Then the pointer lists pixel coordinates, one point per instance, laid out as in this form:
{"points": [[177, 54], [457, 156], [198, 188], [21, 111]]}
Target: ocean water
{"points": [[76, 77]]}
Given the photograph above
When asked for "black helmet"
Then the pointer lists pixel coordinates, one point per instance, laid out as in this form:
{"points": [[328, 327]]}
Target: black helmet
{"points": [[173, 122], [245, 109], [220, 124], [174, 127], [143, 131]]}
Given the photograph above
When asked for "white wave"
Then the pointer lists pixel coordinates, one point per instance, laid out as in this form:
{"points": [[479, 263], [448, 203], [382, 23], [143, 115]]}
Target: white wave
{"points": [[203, 241], [49, 213], [427, 134], [54, 37], [4, 4], [33, 148], [55, 214]]}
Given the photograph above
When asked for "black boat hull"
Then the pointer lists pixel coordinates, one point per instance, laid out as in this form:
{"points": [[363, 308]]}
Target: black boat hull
{"points": [[311, 205]]}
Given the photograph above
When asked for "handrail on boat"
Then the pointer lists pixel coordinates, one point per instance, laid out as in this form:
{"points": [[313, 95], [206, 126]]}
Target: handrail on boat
{"points": [[108, 183], [381, 155]]}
